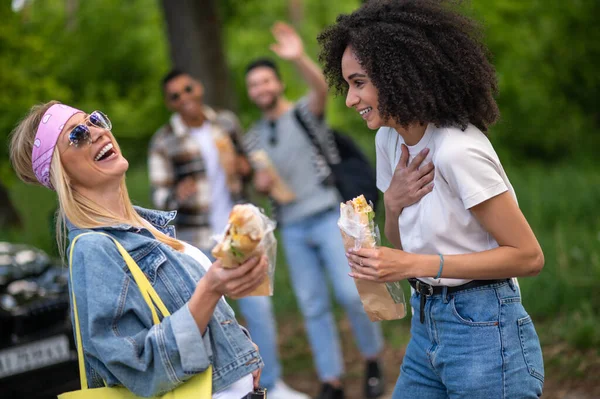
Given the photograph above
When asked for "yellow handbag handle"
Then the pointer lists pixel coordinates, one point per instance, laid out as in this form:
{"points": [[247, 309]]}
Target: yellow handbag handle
{"points": [[150, 296]]}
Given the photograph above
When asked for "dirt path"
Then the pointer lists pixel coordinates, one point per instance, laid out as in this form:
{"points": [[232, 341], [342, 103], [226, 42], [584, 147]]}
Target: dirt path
{"points": [[584, 382]]}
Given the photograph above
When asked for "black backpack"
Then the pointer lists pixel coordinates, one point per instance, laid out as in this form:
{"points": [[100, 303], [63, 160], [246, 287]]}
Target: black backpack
{"points": [[354, 175]]}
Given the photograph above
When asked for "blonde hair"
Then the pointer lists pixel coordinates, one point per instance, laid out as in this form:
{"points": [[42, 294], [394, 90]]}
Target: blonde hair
{"points": [[79, 210]]}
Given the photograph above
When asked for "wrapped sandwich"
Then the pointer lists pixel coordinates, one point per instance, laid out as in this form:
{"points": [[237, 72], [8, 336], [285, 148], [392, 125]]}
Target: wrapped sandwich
{"points": [[248, 233], [382, 301], [228, 158], [280, 191]]}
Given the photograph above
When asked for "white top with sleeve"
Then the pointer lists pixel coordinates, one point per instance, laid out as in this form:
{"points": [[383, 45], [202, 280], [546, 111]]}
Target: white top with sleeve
{"points": [[221, 202], [467, 173], [244, 385]]}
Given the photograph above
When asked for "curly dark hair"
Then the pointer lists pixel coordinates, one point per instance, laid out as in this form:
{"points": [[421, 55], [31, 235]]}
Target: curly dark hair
{"points": [[426, 60]]}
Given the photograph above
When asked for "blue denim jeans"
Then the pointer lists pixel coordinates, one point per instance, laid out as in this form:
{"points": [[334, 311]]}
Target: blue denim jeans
{"points": [[260, 321], [315, 253], [258, 313], [476, 343]]}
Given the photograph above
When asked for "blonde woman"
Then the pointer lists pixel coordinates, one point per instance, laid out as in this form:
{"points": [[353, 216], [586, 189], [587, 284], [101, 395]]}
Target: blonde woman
{"points": [[76, 155]]}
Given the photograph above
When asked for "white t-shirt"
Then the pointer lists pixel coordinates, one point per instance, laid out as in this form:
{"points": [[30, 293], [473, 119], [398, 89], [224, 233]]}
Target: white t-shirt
{"points": [[244, 385], [221, 203], [467, 173]]}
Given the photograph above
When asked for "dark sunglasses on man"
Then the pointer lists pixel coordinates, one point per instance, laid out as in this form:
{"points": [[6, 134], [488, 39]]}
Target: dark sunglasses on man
{"points": [[273, 138], [175, 96]]}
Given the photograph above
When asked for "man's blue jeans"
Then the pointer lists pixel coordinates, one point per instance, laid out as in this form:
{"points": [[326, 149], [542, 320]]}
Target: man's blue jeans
{"points": [[315, 254], [258, 313], [478, 343]]}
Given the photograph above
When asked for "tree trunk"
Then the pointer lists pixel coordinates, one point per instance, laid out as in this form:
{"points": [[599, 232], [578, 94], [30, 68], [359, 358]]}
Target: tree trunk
{"points": [[71, 8], [194, 32], [296, 12], [9, 217]]}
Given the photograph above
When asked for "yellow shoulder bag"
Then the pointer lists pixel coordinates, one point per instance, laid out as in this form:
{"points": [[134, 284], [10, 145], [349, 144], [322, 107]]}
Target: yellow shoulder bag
{"points": [[197, 387]]}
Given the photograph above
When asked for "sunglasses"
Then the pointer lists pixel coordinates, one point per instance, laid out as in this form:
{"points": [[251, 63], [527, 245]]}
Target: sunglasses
{"points": [[81, 133], [273, 138], [174, 97]]}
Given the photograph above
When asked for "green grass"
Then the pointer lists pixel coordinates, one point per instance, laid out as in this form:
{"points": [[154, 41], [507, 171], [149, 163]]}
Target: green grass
{"points": [[561, 206], [36, 206], [560, 203]]}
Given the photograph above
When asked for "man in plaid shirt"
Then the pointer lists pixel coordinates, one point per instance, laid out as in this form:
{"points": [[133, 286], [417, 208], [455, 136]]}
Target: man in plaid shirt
{"points": [[196, 146], [197, 166]]}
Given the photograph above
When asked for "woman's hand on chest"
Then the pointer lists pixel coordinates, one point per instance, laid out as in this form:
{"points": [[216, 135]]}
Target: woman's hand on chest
{"points": [[410, 181]]}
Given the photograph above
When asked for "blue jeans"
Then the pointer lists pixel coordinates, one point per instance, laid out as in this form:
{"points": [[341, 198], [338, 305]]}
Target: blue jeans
{"points": [[314, 251], [476, 343], [258, 313], [260, 321]]}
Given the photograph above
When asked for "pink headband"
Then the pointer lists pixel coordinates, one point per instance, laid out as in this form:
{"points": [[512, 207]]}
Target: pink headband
{"points": [[46, 137]]}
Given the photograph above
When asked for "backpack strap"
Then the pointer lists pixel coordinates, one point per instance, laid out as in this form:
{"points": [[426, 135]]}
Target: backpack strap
{"points": [[327, 178], [311, 135]]}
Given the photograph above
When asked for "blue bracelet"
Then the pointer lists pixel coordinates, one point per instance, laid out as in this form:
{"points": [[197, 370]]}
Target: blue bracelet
{"points": [[441, 266]]}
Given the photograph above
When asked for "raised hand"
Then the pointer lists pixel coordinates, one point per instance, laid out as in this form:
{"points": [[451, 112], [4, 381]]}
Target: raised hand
{"points": [[289, 44]]}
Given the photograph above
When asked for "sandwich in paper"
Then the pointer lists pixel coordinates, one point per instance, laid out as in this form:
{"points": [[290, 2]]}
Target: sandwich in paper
{"points": [[382, 301], [227, 160], [248, 233], [280, 191]]}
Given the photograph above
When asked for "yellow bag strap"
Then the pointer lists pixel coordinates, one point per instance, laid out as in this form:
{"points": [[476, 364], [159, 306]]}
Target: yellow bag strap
{"points": [[150, 296]]}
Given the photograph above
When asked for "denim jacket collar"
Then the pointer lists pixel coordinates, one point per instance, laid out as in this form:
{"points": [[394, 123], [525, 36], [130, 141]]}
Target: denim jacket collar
{"points": [[156, 217], [159, 219]]}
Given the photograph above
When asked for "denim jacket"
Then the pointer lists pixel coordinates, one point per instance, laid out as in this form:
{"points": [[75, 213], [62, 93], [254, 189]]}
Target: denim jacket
{"points": [[120, 342]]}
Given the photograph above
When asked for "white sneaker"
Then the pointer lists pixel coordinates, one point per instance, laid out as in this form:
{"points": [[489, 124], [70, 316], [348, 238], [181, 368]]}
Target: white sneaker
{"points": [[282, 391]]}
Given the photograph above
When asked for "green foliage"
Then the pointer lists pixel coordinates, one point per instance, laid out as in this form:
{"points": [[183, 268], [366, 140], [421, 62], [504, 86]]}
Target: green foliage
{"points": [[542, 51], [560, 203], [110, 55], [256, 18]]}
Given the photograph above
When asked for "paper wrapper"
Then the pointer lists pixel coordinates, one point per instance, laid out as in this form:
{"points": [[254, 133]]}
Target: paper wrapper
{"points": [[280, 190], [267, 246], [382, 301]]}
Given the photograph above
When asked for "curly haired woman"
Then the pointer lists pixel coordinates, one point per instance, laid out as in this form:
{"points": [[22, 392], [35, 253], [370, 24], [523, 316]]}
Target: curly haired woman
{"points": [[418, 72]]}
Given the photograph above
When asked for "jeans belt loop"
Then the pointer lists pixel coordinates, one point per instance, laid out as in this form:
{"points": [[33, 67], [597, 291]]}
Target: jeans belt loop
{"points": [[445, 294], [512, 285], [425, 290]]}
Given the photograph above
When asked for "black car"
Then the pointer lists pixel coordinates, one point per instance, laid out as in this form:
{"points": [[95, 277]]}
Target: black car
{"points": [[38, 358]]}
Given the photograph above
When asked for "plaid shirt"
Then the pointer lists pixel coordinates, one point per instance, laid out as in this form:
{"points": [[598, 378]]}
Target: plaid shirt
{"points": [[175, 155]]}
